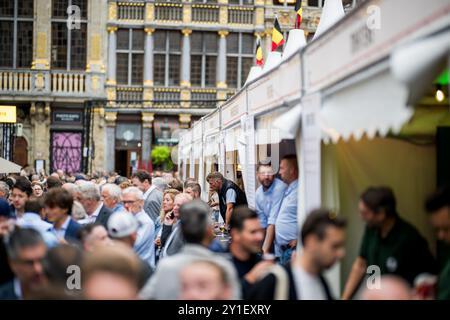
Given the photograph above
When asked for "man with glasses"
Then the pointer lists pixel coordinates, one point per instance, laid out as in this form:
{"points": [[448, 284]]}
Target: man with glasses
{"points": [[268, 200], [133, 201], [26, 249]]}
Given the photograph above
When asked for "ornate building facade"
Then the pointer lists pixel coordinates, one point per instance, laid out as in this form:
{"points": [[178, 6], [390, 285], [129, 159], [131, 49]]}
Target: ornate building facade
{"points": [[98, 83]]}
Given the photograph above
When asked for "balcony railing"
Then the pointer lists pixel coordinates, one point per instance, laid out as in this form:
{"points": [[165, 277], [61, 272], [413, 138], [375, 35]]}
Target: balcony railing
{"points": [[240, 15], [168, 12], [166, 94], [130, 10], [15, 81], [203, 95], [68, 82], [205, 13], [129, 94]]}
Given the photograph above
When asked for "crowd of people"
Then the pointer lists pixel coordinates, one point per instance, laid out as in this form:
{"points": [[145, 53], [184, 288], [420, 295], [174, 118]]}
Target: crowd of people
{"points": [[153, 236]]}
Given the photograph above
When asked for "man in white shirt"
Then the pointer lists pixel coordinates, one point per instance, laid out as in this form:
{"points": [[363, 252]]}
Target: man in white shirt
{"points": [[144, 246]]}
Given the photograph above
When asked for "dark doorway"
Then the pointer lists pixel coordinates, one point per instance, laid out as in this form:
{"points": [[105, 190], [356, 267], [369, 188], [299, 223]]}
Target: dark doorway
{"points": [[121, 162], [20, 151], [127, 161]]}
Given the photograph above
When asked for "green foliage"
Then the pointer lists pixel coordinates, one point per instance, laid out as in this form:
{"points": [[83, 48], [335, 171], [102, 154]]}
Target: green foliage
{"points": [[161, 157]]}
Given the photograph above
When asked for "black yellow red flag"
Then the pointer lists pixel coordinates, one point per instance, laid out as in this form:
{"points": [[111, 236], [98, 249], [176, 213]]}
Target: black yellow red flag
{"points": [[277, 35], [259, 53], [299, 14]]}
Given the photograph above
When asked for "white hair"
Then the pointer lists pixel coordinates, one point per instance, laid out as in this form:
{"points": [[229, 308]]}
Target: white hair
{"points": [[90, 191], [159, 183], [134, 191], [4, 187], [113, 190], [72, 188]]}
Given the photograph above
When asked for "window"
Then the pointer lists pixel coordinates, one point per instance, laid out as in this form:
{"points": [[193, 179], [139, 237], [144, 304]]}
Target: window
{"points": [[285, 3], [167, 58], [204, 48], [240, 56], [241, 2], [16, 33], [69, 34], [130, 56]]}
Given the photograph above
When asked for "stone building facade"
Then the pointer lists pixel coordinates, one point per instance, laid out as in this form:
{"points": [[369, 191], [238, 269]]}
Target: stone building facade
{"points": [[98, 83]]}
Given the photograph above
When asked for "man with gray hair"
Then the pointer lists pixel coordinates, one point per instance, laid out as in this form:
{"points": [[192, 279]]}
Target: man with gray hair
{"points": [[112, 197], [96, 210], [78, 212], [197, 231], [133, 201], [4, 190], [159, 183]]}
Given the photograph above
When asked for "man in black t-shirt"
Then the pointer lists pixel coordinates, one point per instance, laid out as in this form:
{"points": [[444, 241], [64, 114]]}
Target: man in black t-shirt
{"points": [[389, 242], [247, 238]]}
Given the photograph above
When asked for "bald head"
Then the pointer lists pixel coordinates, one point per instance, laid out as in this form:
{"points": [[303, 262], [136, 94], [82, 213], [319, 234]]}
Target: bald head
{"points": [[391, 288]]}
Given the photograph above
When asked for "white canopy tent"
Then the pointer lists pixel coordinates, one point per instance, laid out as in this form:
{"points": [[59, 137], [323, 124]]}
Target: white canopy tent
{"points": [[7, 167]]}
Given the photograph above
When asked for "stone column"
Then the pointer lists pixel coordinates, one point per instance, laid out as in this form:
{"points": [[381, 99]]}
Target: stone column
{"points": [[42, 46], [40, 116], [96, 48], [42, 35], [148, 57], [186, 59], [147, 125], [99, 141], [110, 150], [221, 79], [112, 43]]}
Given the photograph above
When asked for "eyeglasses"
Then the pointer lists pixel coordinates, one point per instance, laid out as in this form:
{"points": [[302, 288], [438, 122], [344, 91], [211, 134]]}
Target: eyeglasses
{"points": [[129, 201]]}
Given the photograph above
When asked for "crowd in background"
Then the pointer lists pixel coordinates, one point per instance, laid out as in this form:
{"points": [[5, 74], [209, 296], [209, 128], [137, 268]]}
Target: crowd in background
{"points": [[153, 236]]}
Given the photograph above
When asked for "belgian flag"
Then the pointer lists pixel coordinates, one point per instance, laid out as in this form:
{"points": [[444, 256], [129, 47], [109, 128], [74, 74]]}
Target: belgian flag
{"points": [[299, 13], [259, 53], [277, 35]]}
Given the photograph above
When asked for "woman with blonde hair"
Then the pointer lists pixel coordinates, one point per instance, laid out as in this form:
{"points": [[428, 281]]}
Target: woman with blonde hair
{"points": [[166, 219]]}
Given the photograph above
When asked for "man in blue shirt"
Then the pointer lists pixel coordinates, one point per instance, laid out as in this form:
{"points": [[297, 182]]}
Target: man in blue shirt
{"points": [[112, 197], [268, 200], [286, 229], [58, 205], [133, 200]]}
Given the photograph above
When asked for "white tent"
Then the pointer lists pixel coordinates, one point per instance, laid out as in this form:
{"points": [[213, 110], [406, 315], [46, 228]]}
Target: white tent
{"points": [[9, 167]]}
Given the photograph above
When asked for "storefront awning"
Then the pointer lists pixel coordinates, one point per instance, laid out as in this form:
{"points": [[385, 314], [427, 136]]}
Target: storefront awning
{"points": [[418, 64], [374, 105], [288, 123]]}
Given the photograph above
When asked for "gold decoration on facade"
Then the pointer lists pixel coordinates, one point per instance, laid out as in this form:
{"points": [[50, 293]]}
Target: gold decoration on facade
{"points": [[223, 33], [149, 31], [186, 32], [187, 13], [223, 15], [112, 12], [111, 29], [147, 119], [221, 85], [110, 118], [40, 81], [149, 12]]}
